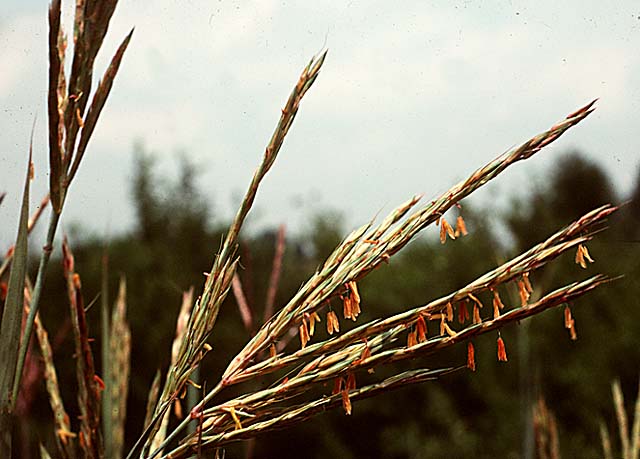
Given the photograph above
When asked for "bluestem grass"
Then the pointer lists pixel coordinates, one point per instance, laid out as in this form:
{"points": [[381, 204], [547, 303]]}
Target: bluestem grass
{"points": [[376, 342], [68, 116], [297, 393], [72, 121]]}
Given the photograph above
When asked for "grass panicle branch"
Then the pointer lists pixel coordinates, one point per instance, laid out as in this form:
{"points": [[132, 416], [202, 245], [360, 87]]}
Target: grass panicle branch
{"points": [[376, 342], [534, 258], [219, 279], [357, 255], [300, 413], [257, 412]]}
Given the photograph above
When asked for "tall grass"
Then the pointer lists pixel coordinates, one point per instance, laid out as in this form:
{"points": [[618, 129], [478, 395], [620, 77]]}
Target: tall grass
{"points": [[344, 359]]}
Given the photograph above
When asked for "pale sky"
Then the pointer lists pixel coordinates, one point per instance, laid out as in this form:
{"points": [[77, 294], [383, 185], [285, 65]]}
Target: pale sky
{"points": [[413, 97]]}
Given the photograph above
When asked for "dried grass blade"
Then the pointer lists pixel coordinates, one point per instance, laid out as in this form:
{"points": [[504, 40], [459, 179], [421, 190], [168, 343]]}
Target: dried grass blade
{"points": [[455, 194]]}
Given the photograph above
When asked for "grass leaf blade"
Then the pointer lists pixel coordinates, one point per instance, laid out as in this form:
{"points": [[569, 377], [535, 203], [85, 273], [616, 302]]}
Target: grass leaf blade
{"points": [[12, 321]]}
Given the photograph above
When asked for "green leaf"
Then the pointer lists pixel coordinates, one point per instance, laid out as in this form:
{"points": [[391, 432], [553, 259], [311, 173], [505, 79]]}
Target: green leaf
{"points": [[12, 321]]}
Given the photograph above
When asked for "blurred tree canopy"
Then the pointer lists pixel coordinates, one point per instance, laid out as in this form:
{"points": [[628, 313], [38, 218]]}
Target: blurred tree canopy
{"points": [[484, 414]]}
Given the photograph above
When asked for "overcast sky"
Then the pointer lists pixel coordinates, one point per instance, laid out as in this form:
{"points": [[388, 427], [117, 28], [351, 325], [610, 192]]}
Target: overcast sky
{"points": [[413, 97]]}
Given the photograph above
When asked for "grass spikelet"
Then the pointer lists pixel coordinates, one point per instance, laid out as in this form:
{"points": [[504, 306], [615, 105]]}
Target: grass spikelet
{"points": [[89, 387], [60, 417], [120, 344]]}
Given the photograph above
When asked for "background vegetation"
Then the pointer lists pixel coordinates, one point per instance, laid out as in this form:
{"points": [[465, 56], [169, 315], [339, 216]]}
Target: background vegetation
{"points": [[483, 414]]}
